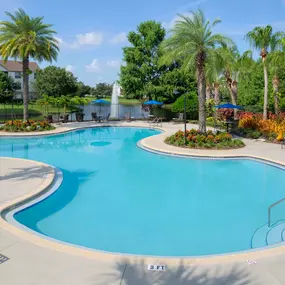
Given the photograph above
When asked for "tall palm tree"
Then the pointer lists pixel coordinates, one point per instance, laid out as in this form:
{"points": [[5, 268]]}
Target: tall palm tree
{"points": [[264, 40], [193, 42], [24, 37], [233, 64], [276, 62]]}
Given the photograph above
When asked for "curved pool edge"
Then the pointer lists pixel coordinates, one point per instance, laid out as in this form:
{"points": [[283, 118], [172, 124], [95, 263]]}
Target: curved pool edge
{"points": [[68, 129], [141, 144], [60, 246]]}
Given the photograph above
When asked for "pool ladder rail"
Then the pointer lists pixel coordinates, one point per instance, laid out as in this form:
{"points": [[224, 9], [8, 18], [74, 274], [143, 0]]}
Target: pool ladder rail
{"points": [[270, 208]]}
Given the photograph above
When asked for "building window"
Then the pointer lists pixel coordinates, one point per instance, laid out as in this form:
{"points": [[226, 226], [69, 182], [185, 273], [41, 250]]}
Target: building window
{"points": [[35, 75], [17, 74]]}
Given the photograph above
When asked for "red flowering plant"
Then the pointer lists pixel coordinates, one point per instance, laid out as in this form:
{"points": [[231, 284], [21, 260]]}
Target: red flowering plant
{"points": [[224, 114], [26, 126], [210, 140], [253, 125]]}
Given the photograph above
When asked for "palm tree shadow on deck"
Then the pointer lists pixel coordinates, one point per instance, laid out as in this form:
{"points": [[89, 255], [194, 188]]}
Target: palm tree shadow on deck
{"points": [[137, 274]]}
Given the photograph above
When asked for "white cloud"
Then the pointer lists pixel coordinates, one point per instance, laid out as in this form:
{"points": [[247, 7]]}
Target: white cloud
{"points": [[94, 66], [119, 38], [171, 24], [70, 68], [94, 38], [113, 63], [64, 44]]}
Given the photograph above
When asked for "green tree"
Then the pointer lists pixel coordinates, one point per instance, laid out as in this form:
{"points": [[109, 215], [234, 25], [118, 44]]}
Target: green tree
{"points": [[45, 101], [83, 89], [102, 90], [191, 105], [7, 87], [141, 71], [264, 40], [55, 81], [25, 37], [173, 82], [193, 41], [251, 87]]}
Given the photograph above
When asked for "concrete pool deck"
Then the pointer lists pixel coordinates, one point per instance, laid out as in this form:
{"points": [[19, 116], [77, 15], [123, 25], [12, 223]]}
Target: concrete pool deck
{"points": [[31, 262]]}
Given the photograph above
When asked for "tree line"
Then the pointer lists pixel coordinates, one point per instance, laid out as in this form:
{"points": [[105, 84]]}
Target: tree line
{"points": [[55, 82], [194, 58]]}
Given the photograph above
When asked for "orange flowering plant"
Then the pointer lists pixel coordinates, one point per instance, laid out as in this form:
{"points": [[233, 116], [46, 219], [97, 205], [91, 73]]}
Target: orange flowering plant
{"points": [[210, 140], [273, 128], [26, 126]]}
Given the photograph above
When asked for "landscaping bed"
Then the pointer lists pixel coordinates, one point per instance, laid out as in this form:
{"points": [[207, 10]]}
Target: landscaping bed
{"points": [[253, 126], [27, 126], [208, 140]]}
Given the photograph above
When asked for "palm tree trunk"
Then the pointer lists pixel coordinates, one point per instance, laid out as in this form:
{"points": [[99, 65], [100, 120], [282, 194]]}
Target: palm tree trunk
{"points": [[26, 87], [216, 97], [232, 87], [208, 92], [201, 80], [275, 83], [265, 105], [217, 93]]}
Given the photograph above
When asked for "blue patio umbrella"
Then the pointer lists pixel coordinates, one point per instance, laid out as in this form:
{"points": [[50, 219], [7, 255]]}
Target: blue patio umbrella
{"points": [[100, 102], [228, 106], [153, 102]]}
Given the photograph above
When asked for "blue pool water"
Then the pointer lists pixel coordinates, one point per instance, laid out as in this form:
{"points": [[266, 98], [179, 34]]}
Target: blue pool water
{"points": [[117, 197]]}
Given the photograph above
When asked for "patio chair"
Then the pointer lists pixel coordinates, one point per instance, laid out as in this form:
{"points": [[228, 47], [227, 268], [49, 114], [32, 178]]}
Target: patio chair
{"points": [[179, 119], [156, 122], [94, 116], [106, 119]]}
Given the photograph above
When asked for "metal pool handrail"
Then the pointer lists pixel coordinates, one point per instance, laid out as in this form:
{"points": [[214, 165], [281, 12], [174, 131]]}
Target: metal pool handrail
{"points": [[269, 210]]}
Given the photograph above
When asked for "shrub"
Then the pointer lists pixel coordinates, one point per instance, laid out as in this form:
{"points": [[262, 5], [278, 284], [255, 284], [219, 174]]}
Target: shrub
{"points": [[191, 105], [254, 126], [209, 140], [26, 126]]}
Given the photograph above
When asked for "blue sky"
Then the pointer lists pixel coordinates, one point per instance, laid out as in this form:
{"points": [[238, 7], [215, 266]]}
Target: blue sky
{"points": [[93, 32]]}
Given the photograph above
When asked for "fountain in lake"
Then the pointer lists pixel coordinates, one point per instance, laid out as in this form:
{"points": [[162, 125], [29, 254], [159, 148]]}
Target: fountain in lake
{"points": [[115, 101]]}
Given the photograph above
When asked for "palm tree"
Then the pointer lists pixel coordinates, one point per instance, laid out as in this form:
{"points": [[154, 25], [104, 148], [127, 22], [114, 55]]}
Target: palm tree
{"points": [[233, 64], [24, 37], [193, 42], [214, 72], [276, 61], [264, 40]]}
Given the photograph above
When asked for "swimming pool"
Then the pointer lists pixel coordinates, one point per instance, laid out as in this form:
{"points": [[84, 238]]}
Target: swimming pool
{"points": [[119, 198]]}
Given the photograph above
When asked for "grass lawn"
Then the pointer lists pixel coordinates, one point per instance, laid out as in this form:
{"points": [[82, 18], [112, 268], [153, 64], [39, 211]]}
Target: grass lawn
{"points": [[36, 112], [121, 100]]}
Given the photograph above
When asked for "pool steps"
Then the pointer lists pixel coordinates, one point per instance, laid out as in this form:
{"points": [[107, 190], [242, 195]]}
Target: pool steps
{"points": [[265, 236]]}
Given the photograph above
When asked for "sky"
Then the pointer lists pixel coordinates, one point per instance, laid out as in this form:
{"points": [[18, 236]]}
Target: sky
{"points": [[92, 32]]}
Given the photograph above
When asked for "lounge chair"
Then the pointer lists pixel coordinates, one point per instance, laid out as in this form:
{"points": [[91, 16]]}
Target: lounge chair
{"points": [[179, 119], [156, 122], [106, 119]]}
